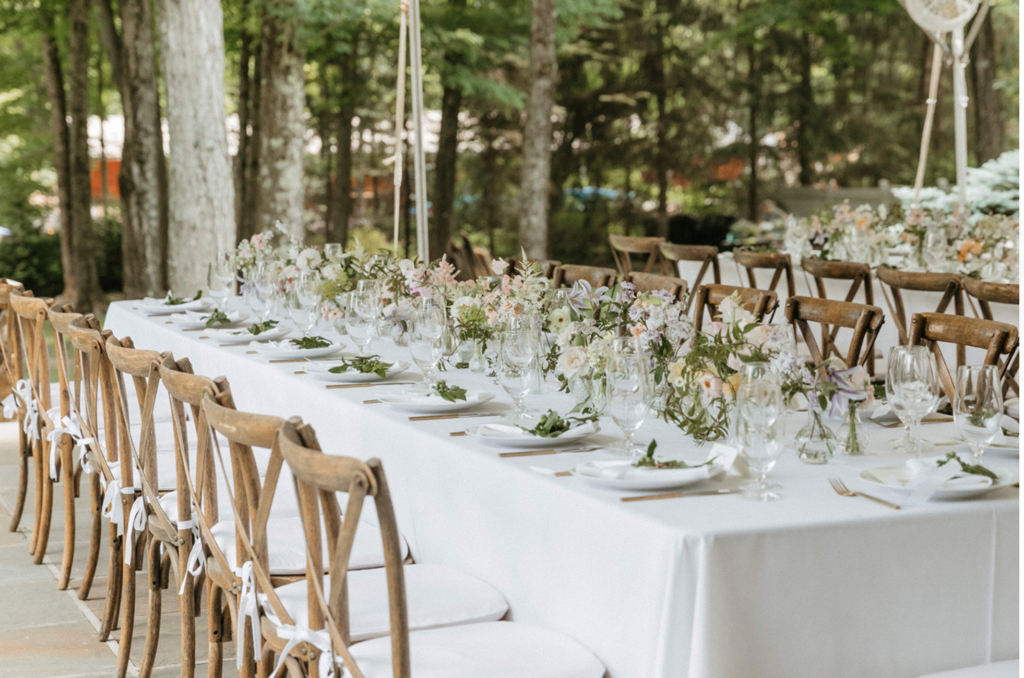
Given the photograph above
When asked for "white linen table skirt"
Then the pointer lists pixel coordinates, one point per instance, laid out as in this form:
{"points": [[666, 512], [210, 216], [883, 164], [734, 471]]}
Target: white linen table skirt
{"points": [[707, 587]]}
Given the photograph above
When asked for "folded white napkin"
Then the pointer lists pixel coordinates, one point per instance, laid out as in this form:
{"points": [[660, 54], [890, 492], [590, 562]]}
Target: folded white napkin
{"points": [[620, 470], [1012, 408], [153, 305], [201, 316], [927, 477], [507, 431], [729, 460]]}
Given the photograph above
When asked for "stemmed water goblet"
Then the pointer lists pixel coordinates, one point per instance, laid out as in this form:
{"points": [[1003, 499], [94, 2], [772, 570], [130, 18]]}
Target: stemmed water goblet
{"points": [[918, 388], [427, 328], [978, 405], [264, 282], [893, 399], [629, 391], [304, 301], [219, 278], [758, 433], [517, 353], [361, 318]]}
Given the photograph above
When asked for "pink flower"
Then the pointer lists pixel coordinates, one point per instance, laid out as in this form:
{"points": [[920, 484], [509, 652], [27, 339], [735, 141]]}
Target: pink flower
{"points": [[499, 266], [711, 384]]}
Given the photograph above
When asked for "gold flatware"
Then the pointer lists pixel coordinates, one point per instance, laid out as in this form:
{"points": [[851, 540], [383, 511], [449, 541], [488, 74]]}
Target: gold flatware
{"points": [[372, 384], [437, 417], [927, 420], [251, 352], [533, 453], [842, 490], [675, 495], [372, 402], [195, 329], [289, 360], [961, 442], [457, 434], [562, 474]]}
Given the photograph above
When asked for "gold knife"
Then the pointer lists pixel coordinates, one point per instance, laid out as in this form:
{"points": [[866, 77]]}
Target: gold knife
{"points": [[531, 453], [673, 495], [437, 417], [372, 384]]}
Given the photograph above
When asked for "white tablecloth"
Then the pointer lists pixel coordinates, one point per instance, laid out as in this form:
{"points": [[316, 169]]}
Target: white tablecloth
{"points": [[709, 587]]}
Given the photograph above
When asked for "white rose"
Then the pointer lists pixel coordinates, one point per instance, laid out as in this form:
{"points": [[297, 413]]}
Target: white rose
{"points": [[573, 362], [307, 258]]}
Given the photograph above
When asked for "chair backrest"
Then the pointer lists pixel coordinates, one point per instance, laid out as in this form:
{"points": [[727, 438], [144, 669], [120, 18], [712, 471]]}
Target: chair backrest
{"points": [[859, 276], [987, 293], [7, 334], [318, 477], [69, 380], [31, 356], [566, 275], [778, 262], [932, 329], [865, 321], [547, 266], [651, 282], [948, 284], [98, 391], [672, 254], [624, 247], [758, 302]]}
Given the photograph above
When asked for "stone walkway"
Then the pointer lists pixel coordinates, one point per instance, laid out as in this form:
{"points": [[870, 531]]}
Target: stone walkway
{"points": [[47, 633]]}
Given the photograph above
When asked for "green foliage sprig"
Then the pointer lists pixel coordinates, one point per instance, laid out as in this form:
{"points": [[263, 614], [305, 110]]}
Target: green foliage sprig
{"points": [[364, 365], [976, 469], [649, 461], [217, 318], [309, 342], [449, 393], [257, 329], [178, 301], [552, 424]]}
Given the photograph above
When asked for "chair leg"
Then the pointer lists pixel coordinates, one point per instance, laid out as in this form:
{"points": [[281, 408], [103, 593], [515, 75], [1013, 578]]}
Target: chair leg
{"points": [[45, 519], [243, 637], [215, 630], [110, 605], [96, 495], [37, 462], [19, 503], [266, 664], [124, 643], [155, 572], [187, 609], [68, 480]]}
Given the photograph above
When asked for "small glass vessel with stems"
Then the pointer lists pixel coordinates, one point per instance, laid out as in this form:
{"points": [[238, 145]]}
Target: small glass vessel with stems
{"points": [[759, 433], [264, 280], [978, 406], [427, 326], [517, 353], [360, 319], [917, 385]]}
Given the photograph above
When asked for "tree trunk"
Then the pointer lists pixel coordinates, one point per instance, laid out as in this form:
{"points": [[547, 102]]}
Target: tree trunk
{"points": [[533, 221], [988, 107], [61, 143], [445, 164], [199, 177], [281, 192], [342, 197], [83, 257], [491, 186], [143, 178], [247, 225], [804, 111], [241, 157], [753, 209]]}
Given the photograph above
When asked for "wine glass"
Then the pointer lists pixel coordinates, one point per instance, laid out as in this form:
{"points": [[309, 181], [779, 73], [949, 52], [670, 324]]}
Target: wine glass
{"points": [[757, 370], [517, 352], [893, 399], [918, 388], [978, 405], [333, 250], [339, 319], [360, 319], [629, 392], [758, 434], [219, 277], [426, 338], [265, 284], [304, 306]]}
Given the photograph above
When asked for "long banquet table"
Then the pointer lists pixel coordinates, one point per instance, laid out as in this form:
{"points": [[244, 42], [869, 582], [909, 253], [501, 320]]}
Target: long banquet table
{"points": [[714, 586]]}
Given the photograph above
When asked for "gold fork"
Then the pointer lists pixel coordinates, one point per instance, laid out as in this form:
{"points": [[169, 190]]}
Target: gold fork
{"points": [[841, 489]]}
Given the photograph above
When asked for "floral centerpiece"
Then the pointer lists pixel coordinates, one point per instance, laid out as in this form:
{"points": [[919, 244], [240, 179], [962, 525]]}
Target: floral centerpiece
{"points": [[833, 392]]}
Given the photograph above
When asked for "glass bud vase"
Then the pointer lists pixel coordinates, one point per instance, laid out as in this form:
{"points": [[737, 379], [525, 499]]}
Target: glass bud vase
{"points": [[478, 363], [399, 335], [815, 442], [852, 437]]}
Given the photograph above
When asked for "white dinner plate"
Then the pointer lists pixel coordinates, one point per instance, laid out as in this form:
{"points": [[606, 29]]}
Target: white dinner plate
{"points": [[881, 476], [196, 320], [284, 350], [152, 306], [622, 475], [242, 335], [507, 435], [433, 403], [322, 371]]}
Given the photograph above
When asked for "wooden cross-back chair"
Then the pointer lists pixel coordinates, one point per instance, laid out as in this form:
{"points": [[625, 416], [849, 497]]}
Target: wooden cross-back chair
{"points": [[7, 332], [95, 407], [672, 254], [759, 302], [997, 339], [403, 651], [13, 372], [35, 401], [567, 275], [865, 321], [859, 276], [948, 284], [652, 282], [778, 262], [986, 294], [624, 247]]}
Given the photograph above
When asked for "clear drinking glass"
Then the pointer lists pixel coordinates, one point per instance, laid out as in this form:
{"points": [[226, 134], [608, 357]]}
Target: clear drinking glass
{"points": [[978, 405], [918, 388], [360, 319], [758, 434], [333, 250], [304, 302], [219, 278], [629, 392], [893, 399], [265, 282], [426, 338], [517, 353], [339, 319]]}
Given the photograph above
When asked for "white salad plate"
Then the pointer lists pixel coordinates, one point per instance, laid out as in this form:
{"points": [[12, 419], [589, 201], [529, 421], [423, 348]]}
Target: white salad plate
{"points": [[622, 475], [432, 403], [242, 335], [508, 435], [151, 306], [285, 350], [322, 371], [894, 477]]}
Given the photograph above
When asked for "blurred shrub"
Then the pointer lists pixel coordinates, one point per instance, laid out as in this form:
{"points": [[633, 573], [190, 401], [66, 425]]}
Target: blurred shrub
{"points": [[32, 256]]}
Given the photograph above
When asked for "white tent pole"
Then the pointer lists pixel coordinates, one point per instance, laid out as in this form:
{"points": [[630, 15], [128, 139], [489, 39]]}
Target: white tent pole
{"points": [[400, 117], [420, 163], [929, 117], [960, 100]]}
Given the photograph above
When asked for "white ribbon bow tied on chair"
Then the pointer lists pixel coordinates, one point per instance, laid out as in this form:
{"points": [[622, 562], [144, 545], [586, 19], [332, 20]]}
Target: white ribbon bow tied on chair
{"points": [[23, 391], [110, 508], [321, 640], [81, 442], [136, 522], [194, 564], [248, 606], [54, 438]]}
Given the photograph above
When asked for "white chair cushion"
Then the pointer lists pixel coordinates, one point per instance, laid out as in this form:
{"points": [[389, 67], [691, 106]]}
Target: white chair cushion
{"points": [[488, 650], [287, 544], [436, 596], [1007, 669]]}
